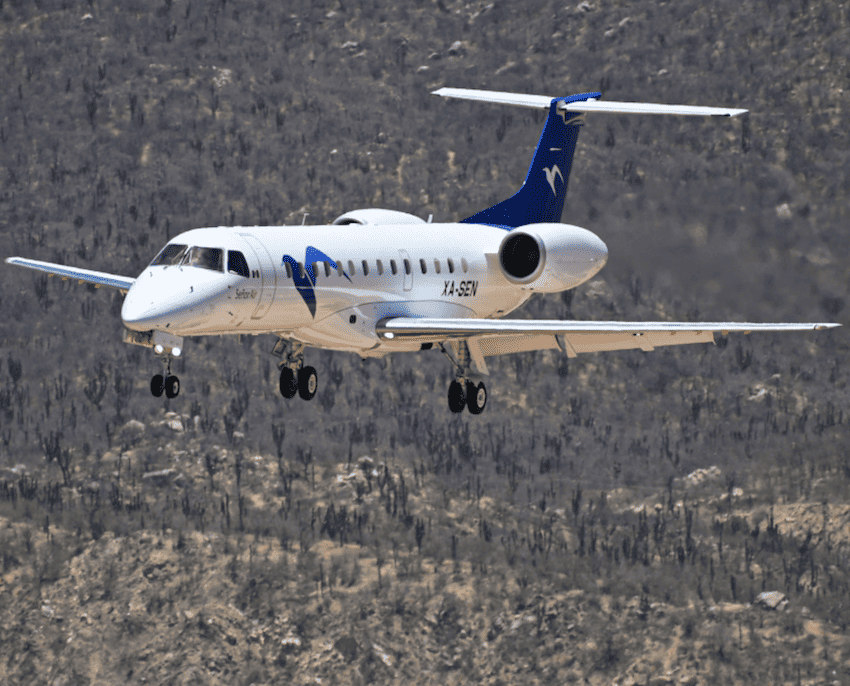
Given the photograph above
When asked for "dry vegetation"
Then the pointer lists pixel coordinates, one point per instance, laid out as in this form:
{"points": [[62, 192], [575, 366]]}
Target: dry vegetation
{"points": [[613, 519]]}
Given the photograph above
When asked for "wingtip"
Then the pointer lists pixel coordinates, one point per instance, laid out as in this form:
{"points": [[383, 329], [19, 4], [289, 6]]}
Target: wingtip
{"points": [[731, 113]]}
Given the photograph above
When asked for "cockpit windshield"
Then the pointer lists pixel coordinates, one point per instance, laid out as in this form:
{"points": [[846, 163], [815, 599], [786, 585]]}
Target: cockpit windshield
{"points": [[205, 258], [171, 254]]}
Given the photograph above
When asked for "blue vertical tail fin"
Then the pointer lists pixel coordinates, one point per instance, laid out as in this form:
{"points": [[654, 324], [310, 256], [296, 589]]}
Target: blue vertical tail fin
{"points": [[541, 198]]}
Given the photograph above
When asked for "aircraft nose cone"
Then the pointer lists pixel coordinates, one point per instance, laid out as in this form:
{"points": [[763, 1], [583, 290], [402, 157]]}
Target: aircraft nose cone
{"points": [[138, 312], [171, 300]]}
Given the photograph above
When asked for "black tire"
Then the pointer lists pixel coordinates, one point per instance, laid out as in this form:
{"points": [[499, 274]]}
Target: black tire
{"points": [[172, 387], [157, 385], [288, 385], [308, 382], [457, 396], [476, 397]]}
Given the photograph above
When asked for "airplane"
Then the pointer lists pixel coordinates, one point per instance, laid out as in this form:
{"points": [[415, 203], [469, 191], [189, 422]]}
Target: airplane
{"points": [[381, 281]]}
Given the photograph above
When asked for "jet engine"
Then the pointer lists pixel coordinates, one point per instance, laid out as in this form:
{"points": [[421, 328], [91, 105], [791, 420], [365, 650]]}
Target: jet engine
{"points": [[551, 257]]}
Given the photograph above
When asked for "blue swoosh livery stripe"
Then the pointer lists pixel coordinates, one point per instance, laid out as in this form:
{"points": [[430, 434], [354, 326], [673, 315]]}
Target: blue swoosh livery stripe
{"points": [[305, 285]]}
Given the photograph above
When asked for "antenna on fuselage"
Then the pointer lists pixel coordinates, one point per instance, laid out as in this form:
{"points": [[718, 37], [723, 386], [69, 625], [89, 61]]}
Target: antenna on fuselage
{"points": [[304, 218]]}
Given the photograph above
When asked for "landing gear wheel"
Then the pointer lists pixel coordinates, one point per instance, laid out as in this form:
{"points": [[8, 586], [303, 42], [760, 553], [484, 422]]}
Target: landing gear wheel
{"points": [[157, 385], [288, 385], [476, 397], [457, 396], [308, 382], [172, 387]]}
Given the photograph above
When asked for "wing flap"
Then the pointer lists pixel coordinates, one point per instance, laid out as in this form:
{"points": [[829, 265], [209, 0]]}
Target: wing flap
{"points": [[505, 345], [83, 275]]}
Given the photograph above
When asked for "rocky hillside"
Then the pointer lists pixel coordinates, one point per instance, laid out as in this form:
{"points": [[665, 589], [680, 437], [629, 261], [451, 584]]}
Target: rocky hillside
{"points": [[178, 559]]}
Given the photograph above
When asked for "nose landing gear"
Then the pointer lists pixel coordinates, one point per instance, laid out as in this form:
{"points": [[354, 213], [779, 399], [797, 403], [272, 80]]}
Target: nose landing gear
{"points": [[294, 376], [167, 382], [167, 348]]}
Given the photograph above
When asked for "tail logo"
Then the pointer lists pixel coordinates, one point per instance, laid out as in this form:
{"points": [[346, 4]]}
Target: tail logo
{"points": [[550, 176]]}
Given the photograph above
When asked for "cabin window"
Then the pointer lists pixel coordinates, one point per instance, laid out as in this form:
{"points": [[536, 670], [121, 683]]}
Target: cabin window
{"points": [[206, 258], [339, 269], [169, 255], [437, 266], [236, 263], [380, 266], [464, 265], [406, 266], [451, 264], [351, 270], [423, 266], [288, 270], [393, 267], [327, 269], [365, 268], [301, 272], [316, 269]]}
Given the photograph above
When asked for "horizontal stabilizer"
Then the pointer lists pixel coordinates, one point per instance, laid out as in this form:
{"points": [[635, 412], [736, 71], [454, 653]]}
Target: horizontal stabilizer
{"points": [[83, 275], [590, 105]]}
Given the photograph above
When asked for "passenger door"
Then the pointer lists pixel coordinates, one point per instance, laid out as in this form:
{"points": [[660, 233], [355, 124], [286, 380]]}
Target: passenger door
{"points": [[267, 276]]}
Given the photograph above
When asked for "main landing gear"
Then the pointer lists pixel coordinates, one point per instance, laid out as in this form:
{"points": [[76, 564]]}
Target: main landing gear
{"points": [[463, 392], [467, 394], [294, 376]]}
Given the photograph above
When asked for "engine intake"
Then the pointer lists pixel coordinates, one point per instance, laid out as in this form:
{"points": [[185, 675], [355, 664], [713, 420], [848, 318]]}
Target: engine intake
{"points": [[522, 257]]}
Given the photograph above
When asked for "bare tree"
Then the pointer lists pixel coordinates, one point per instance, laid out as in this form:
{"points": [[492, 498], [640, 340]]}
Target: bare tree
{"points": [[53, 452]]}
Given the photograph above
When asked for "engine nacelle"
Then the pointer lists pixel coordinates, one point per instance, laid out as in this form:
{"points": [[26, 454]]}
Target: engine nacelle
{"points": [[376, 217], [551, 257]]}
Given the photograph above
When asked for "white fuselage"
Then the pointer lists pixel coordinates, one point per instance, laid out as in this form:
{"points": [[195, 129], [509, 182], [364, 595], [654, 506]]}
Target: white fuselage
{"points": [[291, 288]]}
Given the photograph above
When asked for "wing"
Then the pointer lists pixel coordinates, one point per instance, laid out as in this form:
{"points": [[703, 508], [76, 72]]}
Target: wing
{"points": [[502, 336], [122, 283]]}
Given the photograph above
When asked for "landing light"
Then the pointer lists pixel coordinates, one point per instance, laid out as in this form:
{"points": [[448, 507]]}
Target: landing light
{"points": [[176, 352], [158, 349], [389, 334]]}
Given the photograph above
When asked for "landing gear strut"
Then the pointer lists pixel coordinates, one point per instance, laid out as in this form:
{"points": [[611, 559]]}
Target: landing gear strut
{"points": [[294, 376], [464, 392]]}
